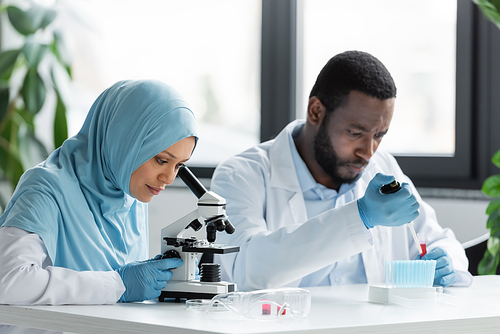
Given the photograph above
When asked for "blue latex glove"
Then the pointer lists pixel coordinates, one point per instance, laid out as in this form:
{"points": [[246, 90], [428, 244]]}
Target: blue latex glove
{"points": [[197, 269], [144, 280], [393, 209], [445, 274]]}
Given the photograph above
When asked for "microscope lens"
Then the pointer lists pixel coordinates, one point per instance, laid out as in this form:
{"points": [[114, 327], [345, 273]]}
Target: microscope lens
{"points": [[229, 227]]}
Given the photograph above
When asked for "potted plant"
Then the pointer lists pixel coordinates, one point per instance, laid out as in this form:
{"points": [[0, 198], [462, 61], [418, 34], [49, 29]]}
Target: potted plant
{"points": [[28, 74], [491, 186]]}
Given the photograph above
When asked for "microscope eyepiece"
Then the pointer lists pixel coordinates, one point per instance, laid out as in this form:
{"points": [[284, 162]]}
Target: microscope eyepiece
{"points": [[191, 181]]}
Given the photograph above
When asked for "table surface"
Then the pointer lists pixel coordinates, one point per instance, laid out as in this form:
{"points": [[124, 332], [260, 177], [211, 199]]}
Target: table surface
{"points": [[335, 309]]}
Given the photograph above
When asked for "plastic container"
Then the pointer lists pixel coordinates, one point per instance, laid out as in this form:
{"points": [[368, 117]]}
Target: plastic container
{"points": [[410, 273], [410, 283], [412, 297]]}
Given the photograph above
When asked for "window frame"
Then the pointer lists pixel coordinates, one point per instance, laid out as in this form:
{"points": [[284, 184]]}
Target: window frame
{"points": [[433, 171], [477, 109], [477, 102]]}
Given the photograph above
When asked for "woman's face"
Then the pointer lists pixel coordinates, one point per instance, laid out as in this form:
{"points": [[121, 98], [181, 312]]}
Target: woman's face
{"points": [[152, 176]]}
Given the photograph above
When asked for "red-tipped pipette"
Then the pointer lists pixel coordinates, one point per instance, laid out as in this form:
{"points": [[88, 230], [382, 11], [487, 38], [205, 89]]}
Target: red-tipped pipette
{"points": [[415, 238], [393, 187], [423, 244]]}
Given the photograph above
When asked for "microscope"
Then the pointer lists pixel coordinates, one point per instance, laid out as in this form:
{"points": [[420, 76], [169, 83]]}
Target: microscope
{"points": [[185, 239]]}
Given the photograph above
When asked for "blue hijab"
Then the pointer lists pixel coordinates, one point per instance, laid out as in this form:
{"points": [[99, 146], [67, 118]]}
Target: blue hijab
{"points": [[78, 200]]}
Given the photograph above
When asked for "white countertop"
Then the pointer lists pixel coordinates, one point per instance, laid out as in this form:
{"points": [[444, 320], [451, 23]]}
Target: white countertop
{"points": [[335, 309]]}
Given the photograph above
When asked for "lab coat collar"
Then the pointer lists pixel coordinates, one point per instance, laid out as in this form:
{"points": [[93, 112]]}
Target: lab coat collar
{"points": [[283, 173]]}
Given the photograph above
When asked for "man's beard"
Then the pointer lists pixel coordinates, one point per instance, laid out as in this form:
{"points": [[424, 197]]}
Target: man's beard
{"points": [[329, 161]]}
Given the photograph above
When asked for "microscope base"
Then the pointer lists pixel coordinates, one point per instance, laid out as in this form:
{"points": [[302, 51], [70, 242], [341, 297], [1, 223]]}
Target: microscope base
{"points": [[195, 289]]}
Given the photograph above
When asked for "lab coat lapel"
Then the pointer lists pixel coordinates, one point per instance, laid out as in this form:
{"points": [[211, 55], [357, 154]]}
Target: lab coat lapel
{"points": [[284, 175], [298, 208], [374, 273]]}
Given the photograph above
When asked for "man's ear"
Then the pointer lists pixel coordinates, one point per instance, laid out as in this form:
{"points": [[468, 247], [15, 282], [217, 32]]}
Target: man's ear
{"points": [[315, 111]]}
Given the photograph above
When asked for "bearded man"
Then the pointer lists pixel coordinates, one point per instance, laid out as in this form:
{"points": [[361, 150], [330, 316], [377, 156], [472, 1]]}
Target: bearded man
{"points": [[307, 205]]}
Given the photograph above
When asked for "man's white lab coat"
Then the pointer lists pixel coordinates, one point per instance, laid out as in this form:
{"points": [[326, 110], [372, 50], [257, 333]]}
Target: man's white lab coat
{"points": [[279, 245]]}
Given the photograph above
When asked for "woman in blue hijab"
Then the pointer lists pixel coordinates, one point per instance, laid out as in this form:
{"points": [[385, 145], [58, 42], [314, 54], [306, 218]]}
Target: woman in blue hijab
{"points": [[76, 230]]}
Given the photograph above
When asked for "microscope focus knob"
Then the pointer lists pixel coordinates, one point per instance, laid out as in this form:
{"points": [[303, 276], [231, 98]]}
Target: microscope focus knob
{"points": [[171, 254], [210, 272]]}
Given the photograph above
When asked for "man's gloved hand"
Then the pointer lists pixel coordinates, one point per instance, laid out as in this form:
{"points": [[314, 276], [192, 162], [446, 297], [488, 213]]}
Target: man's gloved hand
{"points": [[445, 274], [393, 209], [144, 280]]}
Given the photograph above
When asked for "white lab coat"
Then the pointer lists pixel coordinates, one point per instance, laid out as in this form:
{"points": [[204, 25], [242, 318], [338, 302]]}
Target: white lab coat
{"points": [[279, 245], [27, 276]]}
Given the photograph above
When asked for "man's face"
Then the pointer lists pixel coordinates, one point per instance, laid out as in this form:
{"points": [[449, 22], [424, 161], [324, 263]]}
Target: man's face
{"points": [[348, 137]]}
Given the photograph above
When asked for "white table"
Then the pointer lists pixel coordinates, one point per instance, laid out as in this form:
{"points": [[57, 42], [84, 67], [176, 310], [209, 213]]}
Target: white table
{"points": [[338, 309]]}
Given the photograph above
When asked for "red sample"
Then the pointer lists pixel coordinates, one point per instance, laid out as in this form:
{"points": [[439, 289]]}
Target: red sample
{"points": [[424, 249]]}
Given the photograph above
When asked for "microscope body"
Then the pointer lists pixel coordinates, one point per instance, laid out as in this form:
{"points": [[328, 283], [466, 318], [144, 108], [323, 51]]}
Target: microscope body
{"points": [[192, 235]]}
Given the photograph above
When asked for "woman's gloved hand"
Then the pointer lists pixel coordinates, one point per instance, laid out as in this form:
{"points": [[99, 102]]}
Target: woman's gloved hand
{"points": [[144, 280], [376, 208], [197, 269], [445, 274]]}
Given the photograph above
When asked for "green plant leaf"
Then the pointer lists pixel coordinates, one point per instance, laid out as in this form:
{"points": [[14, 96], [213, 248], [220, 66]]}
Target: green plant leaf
{"points": [[495, 231], [491, 186], [492, 4], [60, 123], [493, 206], [34, 52], [28, 117], [496, 159], [60, 83], [493, 220], [31, 150], [490, 10], [33, 91], [35, 18], [20, 20], [10, 162], [488, 264], [7, 61], [493, 245], [4, 102], [41, 16], [3, 204], [61, 52]]}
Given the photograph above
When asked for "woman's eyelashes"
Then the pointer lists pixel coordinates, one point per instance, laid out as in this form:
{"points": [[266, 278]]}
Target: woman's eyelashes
{"points": [[163, 162]]}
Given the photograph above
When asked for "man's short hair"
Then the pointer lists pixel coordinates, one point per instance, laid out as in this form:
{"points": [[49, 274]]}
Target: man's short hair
{"points": [[352, 70]]}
